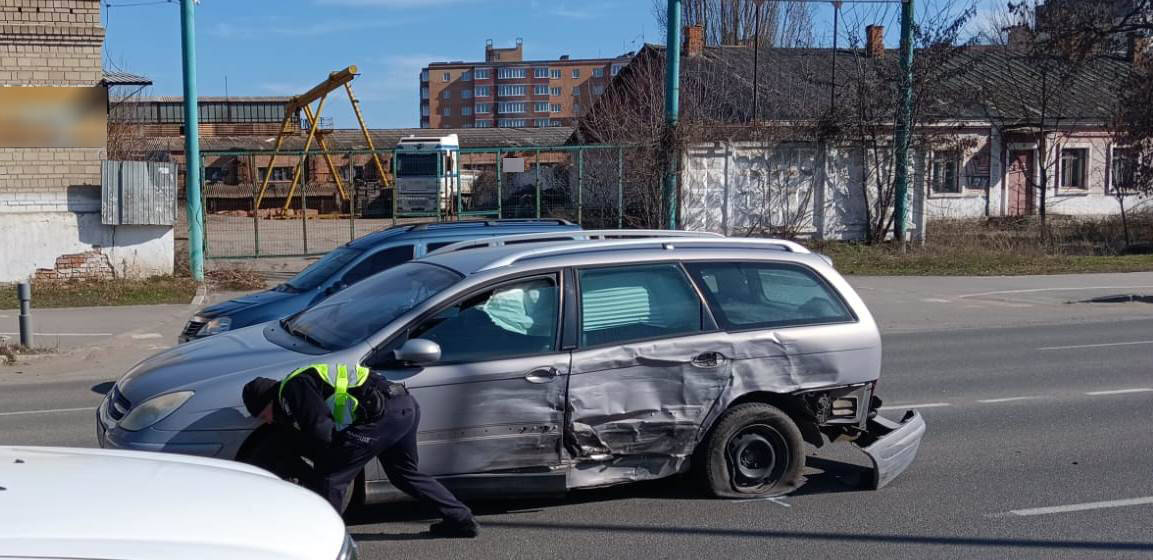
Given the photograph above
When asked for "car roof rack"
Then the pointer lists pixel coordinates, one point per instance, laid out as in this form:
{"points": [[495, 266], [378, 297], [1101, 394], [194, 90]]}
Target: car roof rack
{"points": [[594, 246], [489, 223], [571, 235]]}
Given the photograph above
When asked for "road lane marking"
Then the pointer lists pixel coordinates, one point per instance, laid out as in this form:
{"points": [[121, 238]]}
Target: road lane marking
{"points": [[1035, 290], [1006, 399], [60, 334], [1119, 391], [1083, 507], [146, 336], [46, 411], [1106, 345], [908, 406]]}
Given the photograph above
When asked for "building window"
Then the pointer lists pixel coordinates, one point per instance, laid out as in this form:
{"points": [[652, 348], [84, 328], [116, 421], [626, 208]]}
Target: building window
{"points": [[466, 76], [617, 69], [576, 73], [482, 73], [943, 171], [512, 123], [483, 124], [555, 92], [357, 173], [466, 94], [517, 107], [424, 124], [424, 93], [598, 72], [446, 112], [466, 125], [482, 91], [555, 108], [424, 110], [278, 173], [540, 107], [541, 123], [512, 73], [576, 108], [483, 107], [554, 73], [512, 91], [424, 75], [540, 90], [1123, 171], [214, 174], [540, 72], [576, 91], [598, 89], [465, 111], [446, 77], [1074, 164], [446, 94]]}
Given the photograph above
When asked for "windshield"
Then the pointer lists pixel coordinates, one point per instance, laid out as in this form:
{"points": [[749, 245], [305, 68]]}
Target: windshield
{"points": [[356, 313], [323, 269], [417, 165]]}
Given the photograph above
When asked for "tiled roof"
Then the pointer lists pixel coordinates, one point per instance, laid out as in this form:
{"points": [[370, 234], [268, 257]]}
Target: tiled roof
{"points": [[124, 79]]}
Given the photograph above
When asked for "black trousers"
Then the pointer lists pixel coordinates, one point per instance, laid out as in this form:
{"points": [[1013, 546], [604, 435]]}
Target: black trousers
{"points": [[392, 439]]}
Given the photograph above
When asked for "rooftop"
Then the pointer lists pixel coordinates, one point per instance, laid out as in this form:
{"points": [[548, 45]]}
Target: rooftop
{"points": [[112, 78], [442, 64], [383, 139]]}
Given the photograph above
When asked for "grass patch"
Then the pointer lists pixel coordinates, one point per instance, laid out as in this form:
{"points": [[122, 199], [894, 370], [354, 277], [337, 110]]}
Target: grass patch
{"points": [[11, 353], [89, 293], [236, 279]]}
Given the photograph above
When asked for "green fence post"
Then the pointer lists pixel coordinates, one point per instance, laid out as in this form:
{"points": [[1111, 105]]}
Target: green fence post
{"points": [[537, 165], [499, 184], [304, 205], [255, 208], [395, 184], [620, 188], [351, 198], [580, 185], [203, 213]]}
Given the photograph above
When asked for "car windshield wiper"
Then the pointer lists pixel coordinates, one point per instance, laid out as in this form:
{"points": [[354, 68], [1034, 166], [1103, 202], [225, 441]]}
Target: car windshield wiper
{"points": [[301, 334]]}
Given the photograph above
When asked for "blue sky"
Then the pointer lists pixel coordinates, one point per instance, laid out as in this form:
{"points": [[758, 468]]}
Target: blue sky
{"points": [[284, 47]]}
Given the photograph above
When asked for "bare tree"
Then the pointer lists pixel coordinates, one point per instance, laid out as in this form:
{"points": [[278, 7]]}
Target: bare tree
{"points": [[735, 22]]}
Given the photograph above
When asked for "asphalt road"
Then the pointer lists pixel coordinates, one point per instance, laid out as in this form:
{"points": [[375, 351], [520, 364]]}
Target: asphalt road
{"points": [[1026, 425]]}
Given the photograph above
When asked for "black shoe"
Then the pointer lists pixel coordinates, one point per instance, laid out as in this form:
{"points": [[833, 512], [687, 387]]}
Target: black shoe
{"points": [[455, 529]]}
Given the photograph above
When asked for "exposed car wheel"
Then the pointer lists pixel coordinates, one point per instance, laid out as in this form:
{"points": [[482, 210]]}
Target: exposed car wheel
{"points": [[260, 450], [754, 450]]}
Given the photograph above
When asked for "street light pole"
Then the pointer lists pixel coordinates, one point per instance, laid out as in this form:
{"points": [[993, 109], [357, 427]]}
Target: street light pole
{"points": [[904, 124], [672, 110], [192, 140]]}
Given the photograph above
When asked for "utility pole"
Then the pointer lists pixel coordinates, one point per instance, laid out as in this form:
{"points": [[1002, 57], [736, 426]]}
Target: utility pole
{"points": [[756, 55], [192, 140], [904, 124], [672, 110]]}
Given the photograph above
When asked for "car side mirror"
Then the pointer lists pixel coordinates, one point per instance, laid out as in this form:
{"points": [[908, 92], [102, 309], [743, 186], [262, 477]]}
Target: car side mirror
{"points": [[417, 351]]}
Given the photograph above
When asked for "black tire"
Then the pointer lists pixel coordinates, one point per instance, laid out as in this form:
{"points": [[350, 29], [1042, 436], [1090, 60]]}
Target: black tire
{"points": [[754, 450]]}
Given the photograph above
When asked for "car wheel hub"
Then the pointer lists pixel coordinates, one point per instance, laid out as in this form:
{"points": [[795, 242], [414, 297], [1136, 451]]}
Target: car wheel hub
{"points": [[757, 457]]}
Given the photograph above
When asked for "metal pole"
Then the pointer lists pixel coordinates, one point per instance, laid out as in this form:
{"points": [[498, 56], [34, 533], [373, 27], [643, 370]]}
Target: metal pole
{"points": [[537, 166], [756, 53], [620, 188], [304, 202], [351, 198], [672, 109], [24, 294], [836, 32], [500, 183], [192, 140], [580, 186], [255, 206], [904, 123]]}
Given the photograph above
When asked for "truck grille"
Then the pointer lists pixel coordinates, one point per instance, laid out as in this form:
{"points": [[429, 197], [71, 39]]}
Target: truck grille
{"points": [[192, 328], [118, 404]]}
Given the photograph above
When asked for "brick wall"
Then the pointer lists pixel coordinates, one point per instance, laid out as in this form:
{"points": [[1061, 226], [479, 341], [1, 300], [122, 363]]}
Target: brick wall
{"points": [[50, 43]]}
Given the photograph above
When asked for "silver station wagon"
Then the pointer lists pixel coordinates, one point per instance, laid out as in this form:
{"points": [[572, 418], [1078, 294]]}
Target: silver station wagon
{"points": [[553, 365]]}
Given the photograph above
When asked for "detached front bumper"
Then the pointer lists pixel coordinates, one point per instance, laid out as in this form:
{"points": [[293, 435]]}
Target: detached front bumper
{"points": [[892, 446]]}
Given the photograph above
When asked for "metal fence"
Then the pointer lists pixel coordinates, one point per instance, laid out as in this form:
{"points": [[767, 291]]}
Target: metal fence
{"points": [[595, 186]]}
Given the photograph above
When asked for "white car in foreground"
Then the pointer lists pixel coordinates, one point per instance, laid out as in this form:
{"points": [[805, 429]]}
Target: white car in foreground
{"points": [[91, 503]]}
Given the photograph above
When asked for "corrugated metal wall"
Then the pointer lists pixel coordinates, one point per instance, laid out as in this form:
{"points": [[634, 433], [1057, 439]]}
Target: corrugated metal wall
{"points": [[138, 193]]}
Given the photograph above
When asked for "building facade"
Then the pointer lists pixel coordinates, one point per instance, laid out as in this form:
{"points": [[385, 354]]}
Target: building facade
{"points": [[50, 167], [506, 91]]}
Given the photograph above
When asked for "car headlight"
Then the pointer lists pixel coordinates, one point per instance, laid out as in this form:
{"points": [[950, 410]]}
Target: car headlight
{"points": [[154, 410], [215, 326], [348, 551]]}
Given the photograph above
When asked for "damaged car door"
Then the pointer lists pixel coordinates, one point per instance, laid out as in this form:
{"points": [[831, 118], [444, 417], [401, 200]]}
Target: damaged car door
{"points": [[494, 401], [645, 374]]}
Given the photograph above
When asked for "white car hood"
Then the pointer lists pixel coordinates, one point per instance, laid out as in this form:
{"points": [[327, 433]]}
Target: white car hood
{"points": [[89, 503]]}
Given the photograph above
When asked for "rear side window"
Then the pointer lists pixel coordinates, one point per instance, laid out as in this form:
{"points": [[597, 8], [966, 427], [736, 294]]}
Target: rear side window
{"points": [[623, 304], [758, 295], [378, 262]]}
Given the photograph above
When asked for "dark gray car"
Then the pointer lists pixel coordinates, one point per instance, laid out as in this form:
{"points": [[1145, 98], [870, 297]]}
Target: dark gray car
{"points": [[553, 366]]}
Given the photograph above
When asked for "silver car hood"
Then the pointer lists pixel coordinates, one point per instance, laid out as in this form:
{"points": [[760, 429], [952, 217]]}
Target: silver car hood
{"points": [[245, 352]]}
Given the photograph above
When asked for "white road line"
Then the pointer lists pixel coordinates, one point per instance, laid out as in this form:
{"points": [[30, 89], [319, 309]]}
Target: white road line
{"points": [[61, 334], [1106, 345], [908, 406], [1006, 399], [47, 411], [1120, 391], [1035, 290], [1083, 507], [146, 336]]}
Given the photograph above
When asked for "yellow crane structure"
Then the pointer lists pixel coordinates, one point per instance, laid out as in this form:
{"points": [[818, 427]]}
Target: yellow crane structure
{"points": [[318, 94]]}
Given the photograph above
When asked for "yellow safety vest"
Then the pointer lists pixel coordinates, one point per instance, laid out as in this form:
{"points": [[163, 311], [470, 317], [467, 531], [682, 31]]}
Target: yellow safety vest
{"points": [[341, 405]]}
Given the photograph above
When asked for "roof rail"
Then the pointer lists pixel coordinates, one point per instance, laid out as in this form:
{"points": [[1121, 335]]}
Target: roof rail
{"points": [[655, 242], [492, 223], [571, 235]]}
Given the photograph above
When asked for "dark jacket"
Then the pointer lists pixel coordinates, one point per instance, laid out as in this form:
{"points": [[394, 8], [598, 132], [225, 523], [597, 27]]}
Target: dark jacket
{"points": [[302, 404]]}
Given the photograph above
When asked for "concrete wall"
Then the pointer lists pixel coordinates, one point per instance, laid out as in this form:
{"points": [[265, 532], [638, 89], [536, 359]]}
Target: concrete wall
{"points": [[732, 187]]}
